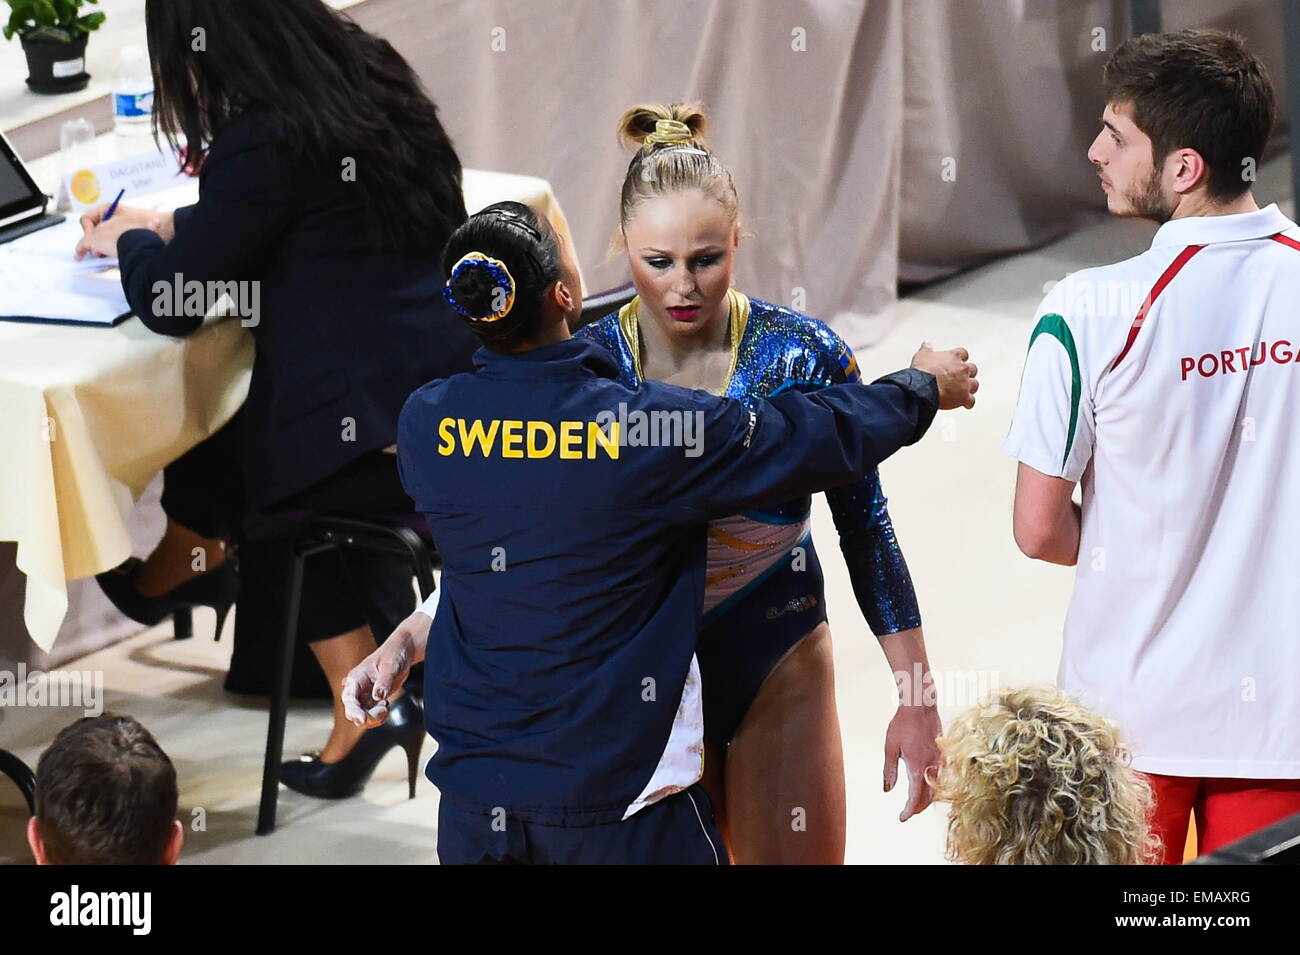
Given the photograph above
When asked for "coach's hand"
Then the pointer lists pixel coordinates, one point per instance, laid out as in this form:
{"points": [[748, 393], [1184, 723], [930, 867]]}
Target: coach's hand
{"points": [[367, 687], [954, 372]]}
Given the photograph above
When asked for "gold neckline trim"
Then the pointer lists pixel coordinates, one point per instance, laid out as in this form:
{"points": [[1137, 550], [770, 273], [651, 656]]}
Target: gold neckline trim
{"points": [[629, 319]]}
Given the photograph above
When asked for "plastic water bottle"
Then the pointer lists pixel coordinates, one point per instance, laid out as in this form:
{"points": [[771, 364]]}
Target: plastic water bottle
{"points": [[133, 93]]}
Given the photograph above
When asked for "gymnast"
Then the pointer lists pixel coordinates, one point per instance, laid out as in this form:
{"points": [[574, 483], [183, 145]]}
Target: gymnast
{"points": [[774, 765]]}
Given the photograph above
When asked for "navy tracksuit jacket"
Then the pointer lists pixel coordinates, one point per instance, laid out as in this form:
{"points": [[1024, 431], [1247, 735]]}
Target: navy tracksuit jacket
{"points": [[560, 678]]}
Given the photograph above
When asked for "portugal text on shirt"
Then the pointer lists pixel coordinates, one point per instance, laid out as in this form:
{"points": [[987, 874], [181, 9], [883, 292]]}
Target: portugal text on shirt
{"points": [[1229, 360]]}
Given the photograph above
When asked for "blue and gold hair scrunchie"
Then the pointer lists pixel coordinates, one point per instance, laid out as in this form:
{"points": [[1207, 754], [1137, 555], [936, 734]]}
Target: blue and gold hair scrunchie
{"points": [[501, 277]]}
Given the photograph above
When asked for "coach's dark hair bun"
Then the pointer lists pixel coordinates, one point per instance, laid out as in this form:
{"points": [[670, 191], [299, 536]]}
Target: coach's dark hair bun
{"points": [[499, 264]]}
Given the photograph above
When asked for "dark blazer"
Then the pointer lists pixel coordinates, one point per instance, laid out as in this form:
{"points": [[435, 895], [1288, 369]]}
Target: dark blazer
{"points": [[344, 331]]}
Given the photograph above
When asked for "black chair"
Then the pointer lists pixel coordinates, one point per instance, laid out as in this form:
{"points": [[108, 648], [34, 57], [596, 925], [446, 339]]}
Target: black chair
{"points": [[602, 303], [398, 535], [23, 777], [1279, 844]]}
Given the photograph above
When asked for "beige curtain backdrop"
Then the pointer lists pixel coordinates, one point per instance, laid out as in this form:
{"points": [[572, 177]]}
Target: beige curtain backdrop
{"points": [[804, 99], [835, 117], [1010, 91]]}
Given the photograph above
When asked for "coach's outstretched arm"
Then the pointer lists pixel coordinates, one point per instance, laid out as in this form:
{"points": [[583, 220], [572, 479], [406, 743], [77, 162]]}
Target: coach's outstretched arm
{"points": [[793, 444], [800, 443]]}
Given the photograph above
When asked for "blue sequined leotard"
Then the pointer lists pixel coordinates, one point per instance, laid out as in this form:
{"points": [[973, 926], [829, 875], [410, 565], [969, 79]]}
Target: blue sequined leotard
{"points": [[764, 585]]}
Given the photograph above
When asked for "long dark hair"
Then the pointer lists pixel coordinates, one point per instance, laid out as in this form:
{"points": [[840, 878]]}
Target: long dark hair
{"points": [[501, 307], [337, 91]]}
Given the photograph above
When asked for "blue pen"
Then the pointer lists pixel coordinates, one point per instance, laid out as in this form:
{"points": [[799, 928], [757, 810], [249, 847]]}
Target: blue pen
{"points": [[113, 208]]}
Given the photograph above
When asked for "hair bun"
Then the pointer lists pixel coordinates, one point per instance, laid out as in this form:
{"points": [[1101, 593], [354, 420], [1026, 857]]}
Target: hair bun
{"points": [[659, 123], [480, 288]]}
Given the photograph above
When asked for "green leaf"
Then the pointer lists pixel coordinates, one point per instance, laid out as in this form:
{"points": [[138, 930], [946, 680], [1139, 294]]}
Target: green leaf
{"points": [[91, 21], [43, 13], [17, 20]]}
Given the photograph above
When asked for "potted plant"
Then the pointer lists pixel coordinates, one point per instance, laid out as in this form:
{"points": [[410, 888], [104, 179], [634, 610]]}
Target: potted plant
{"points": [[53, 34]]}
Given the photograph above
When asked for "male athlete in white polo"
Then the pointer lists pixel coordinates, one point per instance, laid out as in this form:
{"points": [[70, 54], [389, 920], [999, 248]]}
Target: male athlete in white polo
{"points": [[1169, 385]]}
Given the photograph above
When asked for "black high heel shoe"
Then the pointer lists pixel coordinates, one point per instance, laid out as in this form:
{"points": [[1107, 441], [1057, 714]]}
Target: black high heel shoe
{"points": [[347, 777], [218, 589]]}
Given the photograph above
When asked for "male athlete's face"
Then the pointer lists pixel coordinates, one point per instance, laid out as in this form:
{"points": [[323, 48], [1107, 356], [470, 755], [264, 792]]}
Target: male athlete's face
{"points": [[681, 247], [1134, 185]]}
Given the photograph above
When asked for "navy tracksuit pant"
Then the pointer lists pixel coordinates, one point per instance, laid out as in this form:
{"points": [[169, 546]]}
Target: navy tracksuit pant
{"points": [[677, 830]]}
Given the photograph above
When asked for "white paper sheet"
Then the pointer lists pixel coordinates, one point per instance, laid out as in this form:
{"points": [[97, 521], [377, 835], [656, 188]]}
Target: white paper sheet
{"points": [[37, 275]]}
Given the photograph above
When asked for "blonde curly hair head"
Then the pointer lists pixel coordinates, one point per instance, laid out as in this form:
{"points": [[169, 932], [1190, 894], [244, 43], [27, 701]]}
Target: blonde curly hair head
{"points": [[1034, 778]]}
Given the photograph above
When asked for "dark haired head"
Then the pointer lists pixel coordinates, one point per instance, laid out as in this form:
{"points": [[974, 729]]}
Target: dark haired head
{"points": [[499, 265], [105, 795], [337, 91], [1197, 89]]}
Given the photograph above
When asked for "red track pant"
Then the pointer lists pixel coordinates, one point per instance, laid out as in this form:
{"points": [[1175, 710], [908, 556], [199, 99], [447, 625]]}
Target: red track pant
{"points": [[1225, 809]]}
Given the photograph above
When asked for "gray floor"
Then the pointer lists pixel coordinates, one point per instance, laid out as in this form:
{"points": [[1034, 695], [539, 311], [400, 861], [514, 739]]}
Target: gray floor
{"points": [[992, 617]]}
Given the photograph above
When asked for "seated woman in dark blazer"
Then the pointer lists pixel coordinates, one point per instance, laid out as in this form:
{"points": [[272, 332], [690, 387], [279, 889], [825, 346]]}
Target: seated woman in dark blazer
{"points": [[327, 190]]}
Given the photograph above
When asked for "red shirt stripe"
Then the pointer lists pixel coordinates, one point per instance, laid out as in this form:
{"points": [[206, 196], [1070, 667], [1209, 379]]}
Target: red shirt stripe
{"points": [[1174, 267]]}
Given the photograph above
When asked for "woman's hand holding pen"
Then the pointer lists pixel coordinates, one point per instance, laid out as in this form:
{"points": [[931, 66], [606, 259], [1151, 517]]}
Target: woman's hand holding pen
{"points": [[367, 687], [100, 237]]}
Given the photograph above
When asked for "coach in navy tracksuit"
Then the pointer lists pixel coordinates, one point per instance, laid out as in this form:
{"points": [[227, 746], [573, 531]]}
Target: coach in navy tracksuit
{"points": [[561, 682]]}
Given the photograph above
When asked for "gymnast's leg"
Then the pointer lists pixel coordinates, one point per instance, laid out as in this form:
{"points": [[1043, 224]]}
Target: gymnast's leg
{"points": [[785, 797]]}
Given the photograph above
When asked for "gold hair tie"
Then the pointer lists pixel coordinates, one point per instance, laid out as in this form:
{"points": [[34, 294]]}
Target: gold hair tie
{"points": [[501, 277], [670, 132]]}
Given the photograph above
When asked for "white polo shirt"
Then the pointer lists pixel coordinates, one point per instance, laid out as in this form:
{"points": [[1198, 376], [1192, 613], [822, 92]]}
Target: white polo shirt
{"points": [[1169, 384]]}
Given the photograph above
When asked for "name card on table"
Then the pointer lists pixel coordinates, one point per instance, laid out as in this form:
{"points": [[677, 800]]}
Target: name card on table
{"points": [[84, 189]]}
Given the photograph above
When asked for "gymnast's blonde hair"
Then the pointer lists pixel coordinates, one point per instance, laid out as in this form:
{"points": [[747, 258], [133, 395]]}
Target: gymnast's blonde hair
{"points": [[670, 154], [1034, 778]]}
